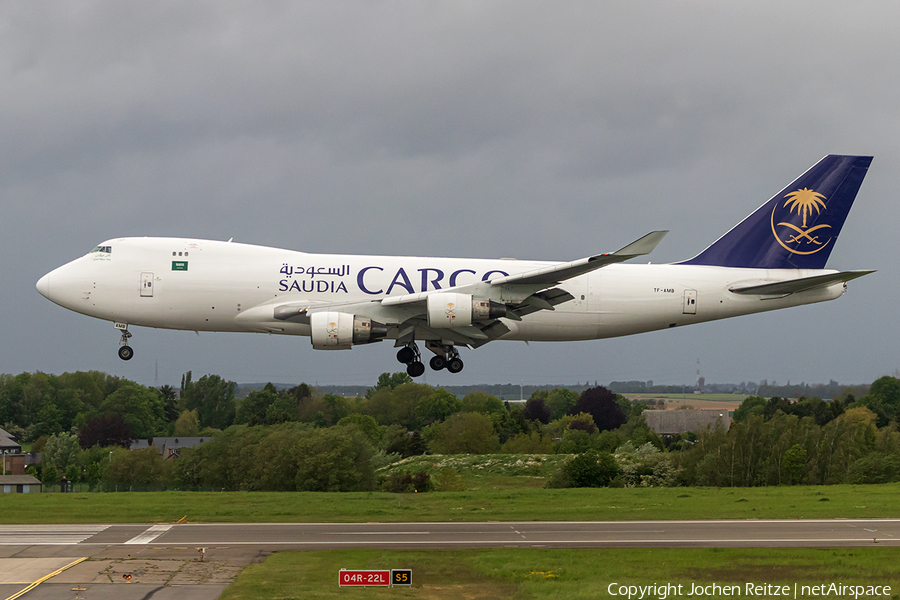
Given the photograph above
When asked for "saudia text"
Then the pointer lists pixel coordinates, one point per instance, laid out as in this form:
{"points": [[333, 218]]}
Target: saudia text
{"points": [[371, 280]]}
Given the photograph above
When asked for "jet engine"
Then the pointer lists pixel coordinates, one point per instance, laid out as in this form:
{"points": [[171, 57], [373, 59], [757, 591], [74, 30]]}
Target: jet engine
{"points": [[449, 309], [340, 331]]}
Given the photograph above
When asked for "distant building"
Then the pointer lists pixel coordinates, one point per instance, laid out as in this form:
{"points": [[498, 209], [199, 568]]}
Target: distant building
{"points": [[670, 422], [14, 464], [171, 447], [8, 444], [20, 484]]}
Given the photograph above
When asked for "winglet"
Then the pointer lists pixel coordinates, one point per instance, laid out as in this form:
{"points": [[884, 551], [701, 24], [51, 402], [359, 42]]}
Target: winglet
{"points": [[645, 245]]}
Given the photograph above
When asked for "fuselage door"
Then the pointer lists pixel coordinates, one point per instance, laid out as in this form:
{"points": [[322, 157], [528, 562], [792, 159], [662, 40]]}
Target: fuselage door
{"points": [[690, 302], [146, 285]]}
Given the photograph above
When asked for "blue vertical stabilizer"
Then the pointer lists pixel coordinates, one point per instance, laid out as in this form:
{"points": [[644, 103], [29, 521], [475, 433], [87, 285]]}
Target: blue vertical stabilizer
{"points": [[798, 227]]}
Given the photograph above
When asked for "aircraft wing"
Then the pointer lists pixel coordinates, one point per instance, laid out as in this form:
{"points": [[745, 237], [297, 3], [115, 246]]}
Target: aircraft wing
{"points": [[538, 279], [561, 272], [801, 284], [521, 294]]}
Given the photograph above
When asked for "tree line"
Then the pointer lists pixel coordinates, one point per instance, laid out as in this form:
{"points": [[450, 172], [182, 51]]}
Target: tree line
{"points": [[301, 439]]}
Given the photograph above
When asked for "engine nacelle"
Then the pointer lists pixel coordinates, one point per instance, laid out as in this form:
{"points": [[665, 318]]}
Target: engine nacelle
{"points": [[449, 309], [340, 331]]}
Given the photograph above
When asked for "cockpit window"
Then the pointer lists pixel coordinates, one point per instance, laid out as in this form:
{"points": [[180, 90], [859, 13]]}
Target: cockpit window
{"points": [[103, 249]]}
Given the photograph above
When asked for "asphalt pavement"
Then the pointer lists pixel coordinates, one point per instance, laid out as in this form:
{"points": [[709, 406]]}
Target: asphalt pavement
{"points": [[134, 561]]}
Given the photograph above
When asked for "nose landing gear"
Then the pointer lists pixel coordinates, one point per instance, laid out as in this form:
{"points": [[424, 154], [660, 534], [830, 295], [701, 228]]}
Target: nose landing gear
{"points": [[126, 352]]}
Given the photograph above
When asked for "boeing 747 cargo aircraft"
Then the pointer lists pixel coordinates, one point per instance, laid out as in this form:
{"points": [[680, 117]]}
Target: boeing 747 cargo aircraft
{"points": [[775, 258]]}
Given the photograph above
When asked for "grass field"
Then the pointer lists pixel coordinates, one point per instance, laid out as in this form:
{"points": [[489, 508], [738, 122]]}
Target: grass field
{"points": [[688, 397], [505, 488], [699, 401], [569, 574], [486, 504]]}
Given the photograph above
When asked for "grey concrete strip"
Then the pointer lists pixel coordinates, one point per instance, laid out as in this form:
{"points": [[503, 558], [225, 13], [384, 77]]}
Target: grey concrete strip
{"points": [[26, 570], [134, 591]]}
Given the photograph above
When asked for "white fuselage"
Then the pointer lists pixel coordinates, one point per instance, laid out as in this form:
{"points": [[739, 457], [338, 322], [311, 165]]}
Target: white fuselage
{"points": [[204, 285]]}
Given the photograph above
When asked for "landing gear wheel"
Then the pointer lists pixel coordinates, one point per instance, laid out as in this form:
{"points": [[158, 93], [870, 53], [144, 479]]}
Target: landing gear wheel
{"points": [[415, 369], [125, 352], [438, 362], [455, 365], [406, 355]]}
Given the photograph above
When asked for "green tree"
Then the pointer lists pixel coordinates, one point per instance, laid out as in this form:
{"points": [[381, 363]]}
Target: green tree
{"points": [[336, 408], [47, 420], [523, 443], [142, 408], [603, 406], [389, 381], [590, 469], [559, 401], [509, 422], [145, 468], [536, 409], [465, 433], [213, 399], [479, 402], [875, 467], [842, 442], [106, 430], [253, 408], [398, 405], [170, 402], [883, 399], [437, 406], [11, 395], [367, 425], [794, 464], [61, 450], [575, 441], [188, 424], [752, 405], [49, 475]]}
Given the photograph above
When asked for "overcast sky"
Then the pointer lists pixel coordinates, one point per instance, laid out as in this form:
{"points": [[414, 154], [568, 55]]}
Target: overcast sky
{"points": [[478, 129]]}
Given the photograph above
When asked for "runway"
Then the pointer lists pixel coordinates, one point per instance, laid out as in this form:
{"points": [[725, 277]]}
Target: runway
{"points": [[531, 534], [135, 561]]}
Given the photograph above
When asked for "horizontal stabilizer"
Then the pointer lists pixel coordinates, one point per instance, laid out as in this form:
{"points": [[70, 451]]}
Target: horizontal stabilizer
{"points": [[793, 286]]}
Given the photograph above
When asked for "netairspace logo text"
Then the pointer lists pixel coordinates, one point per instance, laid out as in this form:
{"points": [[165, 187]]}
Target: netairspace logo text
{"points": [[661, 591]]}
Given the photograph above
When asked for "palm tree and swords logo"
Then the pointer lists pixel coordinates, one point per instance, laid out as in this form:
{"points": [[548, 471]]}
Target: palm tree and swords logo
{"points": [[805, 240]]}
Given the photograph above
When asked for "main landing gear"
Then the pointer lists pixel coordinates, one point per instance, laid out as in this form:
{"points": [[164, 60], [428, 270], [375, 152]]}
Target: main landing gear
{"points": [[126, 352], [410, 356], [445, 357]]}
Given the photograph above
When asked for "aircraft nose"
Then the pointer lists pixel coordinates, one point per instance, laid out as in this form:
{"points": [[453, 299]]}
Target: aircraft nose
{"points": [[43, 286]]}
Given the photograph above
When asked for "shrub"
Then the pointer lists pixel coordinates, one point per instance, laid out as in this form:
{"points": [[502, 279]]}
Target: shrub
{"points": [[401, 483]]}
